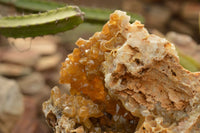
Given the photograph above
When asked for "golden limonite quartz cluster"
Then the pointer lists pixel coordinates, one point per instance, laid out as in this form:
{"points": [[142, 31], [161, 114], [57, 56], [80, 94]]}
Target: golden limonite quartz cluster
{"points": [[125, 80]]}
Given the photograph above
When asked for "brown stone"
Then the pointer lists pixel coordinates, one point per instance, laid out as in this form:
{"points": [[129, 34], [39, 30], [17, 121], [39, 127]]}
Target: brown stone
{"points": [[124, 62], [185, 44], [48, 62], [26, 58], [51, 76], [44, 46], [82, 71], [14, 70], [32, 84], [21, 44], [179, 26], [174, 6], [29, 123], [145, 74], [190, 14], [193, 23], [11, 104], [190, 10], [157, 32], [157, 17], [40, 45], [133, 6]]}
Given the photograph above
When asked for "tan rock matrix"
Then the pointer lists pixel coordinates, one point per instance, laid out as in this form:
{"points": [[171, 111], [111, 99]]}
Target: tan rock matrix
{"points": [[124, 79]]}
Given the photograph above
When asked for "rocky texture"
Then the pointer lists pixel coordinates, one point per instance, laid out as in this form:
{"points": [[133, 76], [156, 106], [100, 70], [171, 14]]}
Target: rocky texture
{"points": [[185, 44], [32, 120], [190, 11], [32, 84], [26, 58], [145, 74], [29, 122], [13, 70], [180, 16], [129, 4], [64, 112], [179, 26], [188, 50], [82, 70], [48, 62], [174, 6], [11, 104], [45, 46], [42, 46], [140, 69], [153, 13], [19, 62]]}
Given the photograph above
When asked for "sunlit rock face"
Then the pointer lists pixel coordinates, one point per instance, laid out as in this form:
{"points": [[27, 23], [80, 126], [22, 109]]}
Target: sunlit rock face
{"points": [[129, 78]]}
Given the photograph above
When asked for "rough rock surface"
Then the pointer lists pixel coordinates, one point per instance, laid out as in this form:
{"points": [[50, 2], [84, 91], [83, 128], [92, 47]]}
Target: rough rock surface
{"points": [[48, 62], [42, 46], [74, 109], [31, 84], [141, 70], [11, 104], [26, 58], [145, 74], [14, 70], [185, 43]]}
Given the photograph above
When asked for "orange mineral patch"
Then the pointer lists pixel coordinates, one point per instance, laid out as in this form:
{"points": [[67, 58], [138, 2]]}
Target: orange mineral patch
{"points": [[125, 80], [83, 71]]}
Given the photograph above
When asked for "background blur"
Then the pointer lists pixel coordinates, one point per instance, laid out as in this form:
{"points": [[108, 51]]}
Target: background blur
{"points": [[29, 68]]}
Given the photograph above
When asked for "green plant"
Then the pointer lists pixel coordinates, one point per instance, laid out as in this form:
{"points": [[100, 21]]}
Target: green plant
{"points": [[52, 21], [188, 62], [96, 15], [49, 22]]}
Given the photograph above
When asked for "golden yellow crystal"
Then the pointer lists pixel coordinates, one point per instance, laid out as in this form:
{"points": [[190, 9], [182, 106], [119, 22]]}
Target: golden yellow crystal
{"points": [[120, 75]]}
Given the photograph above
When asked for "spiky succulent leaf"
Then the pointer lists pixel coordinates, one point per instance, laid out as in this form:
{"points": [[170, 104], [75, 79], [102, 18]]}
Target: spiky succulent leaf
{"points": [[50, 22], [36, 5], [93, 15], [188, 62], [102, 15]]}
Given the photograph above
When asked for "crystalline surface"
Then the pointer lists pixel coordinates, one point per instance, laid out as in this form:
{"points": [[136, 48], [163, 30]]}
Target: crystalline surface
{"points": [[121, 74], [64, 111]]}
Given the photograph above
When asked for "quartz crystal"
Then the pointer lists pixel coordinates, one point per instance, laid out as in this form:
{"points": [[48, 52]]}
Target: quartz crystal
{"points": [[124, 79]]}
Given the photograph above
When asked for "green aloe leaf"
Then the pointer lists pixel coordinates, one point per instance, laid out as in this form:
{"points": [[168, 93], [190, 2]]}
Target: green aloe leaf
{"points": [[92, 15], [50, 22], [188, 62]]}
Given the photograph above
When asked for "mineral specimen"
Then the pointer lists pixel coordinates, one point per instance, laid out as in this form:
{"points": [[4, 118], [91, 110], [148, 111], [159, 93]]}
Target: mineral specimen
{"points": [[124, 77]]}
